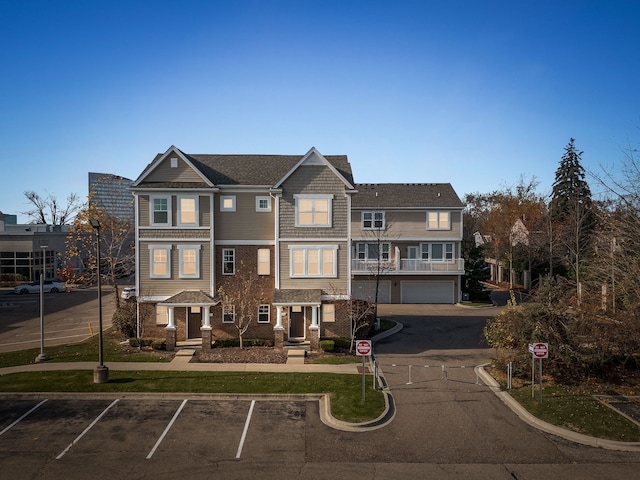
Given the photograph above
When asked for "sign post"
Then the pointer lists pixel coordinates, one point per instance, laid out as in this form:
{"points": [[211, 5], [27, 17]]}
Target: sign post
{"points": [[538, 350], [363, 349]]}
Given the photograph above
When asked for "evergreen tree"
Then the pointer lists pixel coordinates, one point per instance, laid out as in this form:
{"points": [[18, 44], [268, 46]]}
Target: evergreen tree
{"points": [[570, 189], [571, 212]]}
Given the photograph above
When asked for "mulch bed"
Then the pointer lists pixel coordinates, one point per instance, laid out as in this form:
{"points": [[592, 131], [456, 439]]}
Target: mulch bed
{"points": [[244, 355]]}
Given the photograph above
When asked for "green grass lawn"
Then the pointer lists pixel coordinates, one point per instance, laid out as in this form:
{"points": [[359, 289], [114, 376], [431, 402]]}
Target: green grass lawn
{"points": [[86, 351], [581, 413], [345, 390]]}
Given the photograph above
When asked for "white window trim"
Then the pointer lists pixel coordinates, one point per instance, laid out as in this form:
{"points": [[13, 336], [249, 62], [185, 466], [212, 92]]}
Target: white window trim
{"points": [[196, 200], [266, 263], [439, 213], [372, 220], [152, 249], [328, 317], [331, 248], [260, 198], [162, 319], [268, 313], [234, 261], [329, 199], [233, 201], [429, 250], [181, 249], [366, 251], [226, 308], [151, 210]]}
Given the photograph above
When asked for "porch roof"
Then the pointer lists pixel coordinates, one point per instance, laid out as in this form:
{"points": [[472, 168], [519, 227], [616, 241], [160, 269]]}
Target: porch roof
{"points": [[297, 297], [191, 297]]}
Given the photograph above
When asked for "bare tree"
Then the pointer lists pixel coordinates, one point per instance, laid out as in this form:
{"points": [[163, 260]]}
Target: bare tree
{"points": [[49, 210], [116, 246], [241, 295]]}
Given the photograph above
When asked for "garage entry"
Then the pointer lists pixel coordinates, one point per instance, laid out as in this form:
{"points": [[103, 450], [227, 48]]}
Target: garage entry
{"points": [[366, 291], [426, 292]]}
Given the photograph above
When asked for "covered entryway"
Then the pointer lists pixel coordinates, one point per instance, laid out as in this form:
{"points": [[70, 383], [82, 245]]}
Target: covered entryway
{"points": [[427, 291], [194, 322], [296, 323]]}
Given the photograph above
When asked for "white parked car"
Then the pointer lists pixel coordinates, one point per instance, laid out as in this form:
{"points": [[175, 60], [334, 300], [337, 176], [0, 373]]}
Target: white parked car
{"points": [[49, 286], [128, 292]]}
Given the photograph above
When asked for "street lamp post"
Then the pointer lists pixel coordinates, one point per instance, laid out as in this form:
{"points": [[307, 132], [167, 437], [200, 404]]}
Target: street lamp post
{"points": [[42, 357], [101, 373]]}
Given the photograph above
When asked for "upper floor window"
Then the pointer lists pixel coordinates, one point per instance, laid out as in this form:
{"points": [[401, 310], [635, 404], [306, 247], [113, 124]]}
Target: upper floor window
{"points": [[160, 261], [438, 220], [437, 252], [161, 210], [373, 220], [263, 204], [228, 261], [313, 210], [264, 261], [313, 261], [373, 251], [227, 203], [189, 261], [188, 211], [263, 314]]}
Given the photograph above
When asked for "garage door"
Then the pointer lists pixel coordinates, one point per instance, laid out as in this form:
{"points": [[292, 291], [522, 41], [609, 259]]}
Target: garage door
{"points": [[426, 292], [366, 291]]}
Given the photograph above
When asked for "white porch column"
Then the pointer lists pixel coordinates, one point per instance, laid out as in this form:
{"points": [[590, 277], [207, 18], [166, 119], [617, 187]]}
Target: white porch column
{"points": [[206, 319], [279, 318], [172, 323], [314, 316]]}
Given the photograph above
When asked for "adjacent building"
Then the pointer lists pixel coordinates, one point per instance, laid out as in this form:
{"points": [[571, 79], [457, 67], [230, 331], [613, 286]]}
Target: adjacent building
{"points": [[302, 224]]}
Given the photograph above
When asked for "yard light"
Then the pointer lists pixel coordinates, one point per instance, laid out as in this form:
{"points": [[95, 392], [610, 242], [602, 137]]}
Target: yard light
{"points": [[101, 373]]}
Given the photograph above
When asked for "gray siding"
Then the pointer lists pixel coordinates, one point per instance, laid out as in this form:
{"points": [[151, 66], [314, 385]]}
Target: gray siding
{"points": [[245, 223], [407, 224], [204, 206], [313, 179], [173, 285], [164, 172]]}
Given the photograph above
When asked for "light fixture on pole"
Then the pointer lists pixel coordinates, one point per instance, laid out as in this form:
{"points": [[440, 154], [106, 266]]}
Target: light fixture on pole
{"points": [[101, 373], [42, 357]]}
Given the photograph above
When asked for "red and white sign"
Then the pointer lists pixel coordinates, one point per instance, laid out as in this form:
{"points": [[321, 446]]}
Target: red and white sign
{"points": [[363, 348], [539, 350]]}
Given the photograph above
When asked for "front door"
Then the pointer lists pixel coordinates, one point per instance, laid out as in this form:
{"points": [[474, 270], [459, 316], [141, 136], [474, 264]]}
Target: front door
{"points": [[194, 322], [296, 322]]}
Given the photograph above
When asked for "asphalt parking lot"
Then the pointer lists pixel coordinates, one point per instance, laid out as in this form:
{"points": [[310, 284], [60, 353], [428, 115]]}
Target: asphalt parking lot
{"points": [[63, 432]]}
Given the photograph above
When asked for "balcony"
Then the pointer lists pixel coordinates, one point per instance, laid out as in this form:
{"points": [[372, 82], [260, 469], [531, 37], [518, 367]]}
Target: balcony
{"points": [[407, 266]]}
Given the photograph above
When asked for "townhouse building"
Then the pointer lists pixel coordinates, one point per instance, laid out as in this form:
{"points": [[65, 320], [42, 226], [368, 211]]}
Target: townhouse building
{"points": [[302, 225]]}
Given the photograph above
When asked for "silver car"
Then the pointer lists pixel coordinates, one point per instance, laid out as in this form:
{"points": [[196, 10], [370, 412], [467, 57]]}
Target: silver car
{"points": [[49, 286]]}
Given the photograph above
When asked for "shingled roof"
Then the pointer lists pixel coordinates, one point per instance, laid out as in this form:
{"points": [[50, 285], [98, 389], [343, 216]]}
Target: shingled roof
{"points": [[405, 195], [257, 169]]}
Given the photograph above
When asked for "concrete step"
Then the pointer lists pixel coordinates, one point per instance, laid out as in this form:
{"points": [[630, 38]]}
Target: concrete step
{"points": [[296, 356]]}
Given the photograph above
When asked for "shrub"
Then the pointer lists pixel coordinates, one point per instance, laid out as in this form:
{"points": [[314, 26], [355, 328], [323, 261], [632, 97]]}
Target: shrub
{"points": [[327, 345], [247, 342], [124, 319], [155, 343]]}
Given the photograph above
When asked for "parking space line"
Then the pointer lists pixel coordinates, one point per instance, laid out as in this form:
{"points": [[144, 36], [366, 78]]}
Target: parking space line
{"points": [[23, 416], [246, 427], [166, 430], [87, 429]]}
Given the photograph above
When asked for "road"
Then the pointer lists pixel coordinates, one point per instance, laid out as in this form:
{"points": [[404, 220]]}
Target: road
{"points": [[444, 428], [68, 317]]}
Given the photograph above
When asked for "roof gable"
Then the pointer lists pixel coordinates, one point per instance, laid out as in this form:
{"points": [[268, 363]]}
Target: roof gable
{"points": [[160, 163], [314, 157]]}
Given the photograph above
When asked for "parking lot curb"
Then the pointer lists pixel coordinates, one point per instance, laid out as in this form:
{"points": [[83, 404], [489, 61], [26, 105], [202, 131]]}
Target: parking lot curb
{"points": [[547, 427]]}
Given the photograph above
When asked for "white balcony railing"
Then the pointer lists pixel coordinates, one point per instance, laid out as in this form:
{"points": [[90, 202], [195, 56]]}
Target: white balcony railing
{"points": [[407, 265]]}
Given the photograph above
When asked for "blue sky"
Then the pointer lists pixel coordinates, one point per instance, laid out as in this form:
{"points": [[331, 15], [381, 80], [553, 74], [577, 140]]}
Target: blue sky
{"points": [[473, 93]]}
